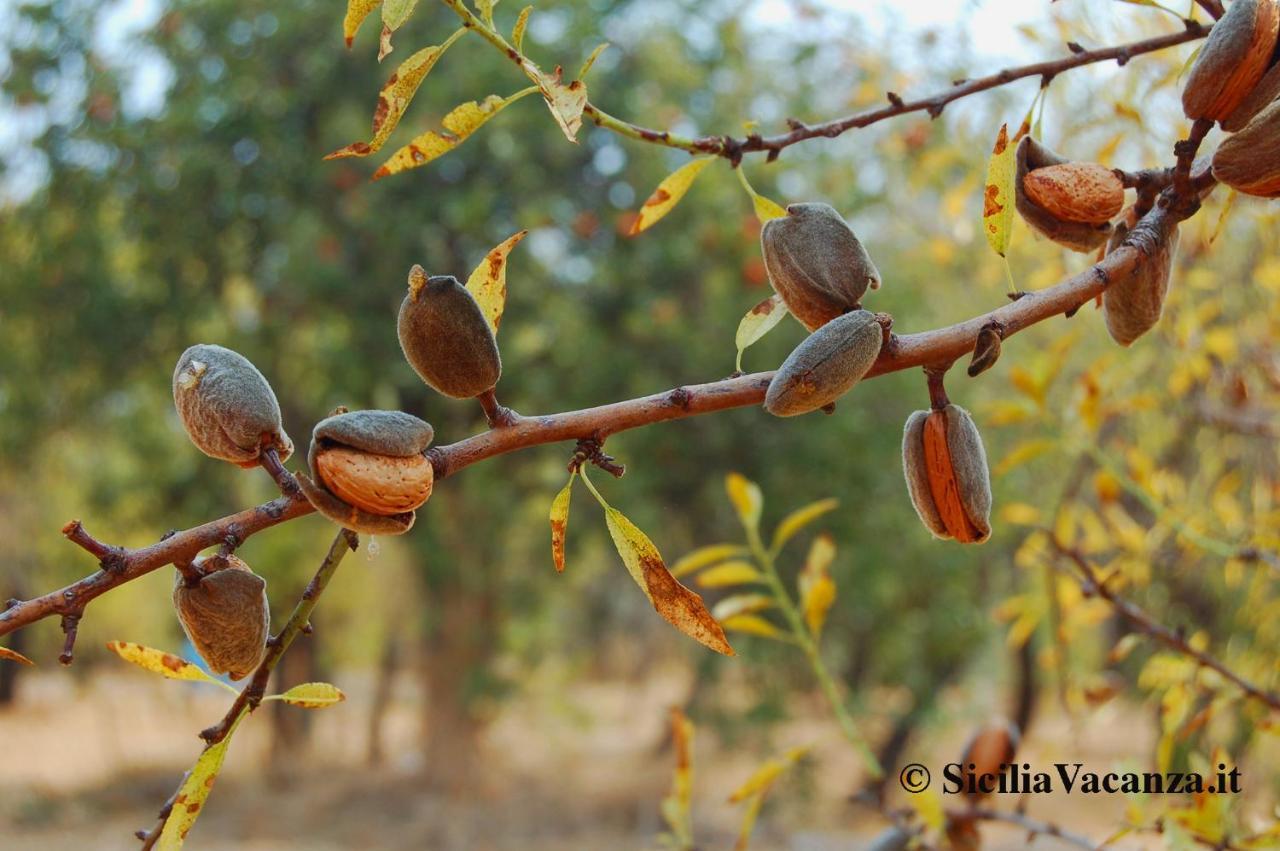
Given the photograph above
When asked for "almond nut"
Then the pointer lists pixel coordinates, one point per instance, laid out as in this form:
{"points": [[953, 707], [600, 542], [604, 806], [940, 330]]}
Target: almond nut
{"points": [[226, 406], [225, 615], [446, 338], [1232, 61], [1132, 305], [1078, 236], [1249, 160], [1076, 192], [379, 484], [1266, 91], [946, 471]]}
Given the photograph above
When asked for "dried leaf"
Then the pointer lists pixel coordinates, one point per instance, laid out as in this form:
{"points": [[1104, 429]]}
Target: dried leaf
{"points": [[395, 97], [459, 124], [384, 43], [14, 656], [566, 101], [357, 11], [517, 32], [159, 662], [488, 281], [189, 802], [704, 556], [681, 607], [729, 573], [741, 604], [760, 320], [312, 696], [591, 60], [669, 192], [798, 519], [560, 522], [817, 588], [997, 198], [746, 498], [751, 625]]}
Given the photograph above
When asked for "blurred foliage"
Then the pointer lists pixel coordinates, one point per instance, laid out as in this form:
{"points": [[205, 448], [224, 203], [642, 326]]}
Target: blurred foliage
{"points": [[211, 217]]}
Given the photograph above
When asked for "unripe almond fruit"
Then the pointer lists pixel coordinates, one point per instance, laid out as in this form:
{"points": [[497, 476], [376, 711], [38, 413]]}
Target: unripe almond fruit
{"points": [[1249, 160], [370, 470], [816, 263], [1076, 192], [1132, 305], [1083, 236], [946, 471], [225, 615], [446, 338], [1232, 61], [226, 406], [826, 365]]}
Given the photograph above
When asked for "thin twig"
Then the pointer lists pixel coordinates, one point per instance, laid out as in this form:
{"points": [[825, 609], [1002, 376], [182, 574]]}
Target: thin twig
{"points": [[1034, 827]]}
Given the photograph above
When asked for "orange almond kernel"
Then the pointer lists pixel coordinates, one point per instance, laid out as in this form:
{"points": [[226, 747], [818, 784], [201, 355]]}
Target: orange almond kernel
{"points": [[378, 484], [1076, 191]]}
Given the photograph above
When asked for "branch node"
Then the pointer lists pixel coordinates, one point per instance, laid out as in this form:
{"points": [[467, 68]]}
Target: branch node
{"points": [[495, 414], [895, 99], [70, 626], [680, 397], [590, 450]]}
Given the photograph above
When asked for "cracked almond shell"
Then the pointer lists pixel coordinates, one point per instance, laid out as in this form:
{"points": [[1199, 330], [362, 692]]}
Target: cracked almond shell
{"points": [[1249, 161], [225, 615], [816, 263], [226, 406], [1076, 192], [1232, 61], [945, 466], [1078, 236], [826, 365], [446, 338]]}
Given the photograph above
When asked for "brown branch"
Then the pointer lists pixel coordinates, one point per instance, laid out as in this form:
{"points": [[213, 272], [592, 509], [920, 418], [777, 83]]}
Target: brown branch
{"points": [[1092, 585]]}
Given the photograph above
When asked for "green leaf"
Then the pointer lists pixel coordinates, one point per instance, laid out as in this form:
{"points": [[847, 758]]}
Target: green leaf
{"points": [[668, 193], [591, 60], [488, 281], [794, 522], [760, 320], [517, 32], [311, 696]]}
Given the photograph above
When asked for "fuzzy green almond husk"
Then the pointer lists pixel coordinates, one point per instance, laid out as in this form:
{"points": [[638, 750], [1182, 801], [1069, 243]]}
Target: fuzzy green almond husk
{"points": [[446, 338], [227, 406]]}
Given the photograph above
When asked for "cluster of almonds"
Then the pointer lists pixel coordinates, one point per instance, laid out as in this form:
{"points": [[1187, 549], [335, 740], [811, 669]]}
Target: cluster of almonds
{"points": [[821, 271], [368, 469]]}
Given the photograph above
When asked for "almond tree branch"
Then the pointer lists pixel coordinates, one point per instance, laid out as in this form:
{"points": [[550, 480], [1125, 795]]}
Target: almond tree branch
{"points": [[733, 149], [936, 348]]}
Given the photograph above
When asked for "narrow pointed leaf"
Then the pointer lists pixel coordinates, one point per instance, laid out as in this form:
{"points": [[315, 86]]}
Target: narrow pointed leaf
{"points": [[159, 662], [681, 607], [591, 60], [396, 12], [741, 604], [384, 43], [677, 807], [560, 522], [395, 97], [191, 798], [817, 588], [14, 656], [798, 519], [488, 281], [997, 197], [517, 32], [729, 573], [486, 10], [357, 11], [765, 209], [706, 556], [669, 192], [746, 498], [459, 124], [751, 625], [760, 320], [766, 775], [312, 696]]}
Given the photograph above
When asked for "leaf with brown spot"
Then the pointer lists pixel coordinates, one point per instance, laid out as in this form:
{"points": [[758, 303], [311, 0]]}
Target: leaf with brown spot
{"points": [[395, 97], [669, 192], [384, 43], [14, 656], [195, 790], [566, 101], [560, 522], [488, 281], [997, 197], [760, 320], [357, 11], [311, 696], [681, 607], [459, 124], [160, 662]]}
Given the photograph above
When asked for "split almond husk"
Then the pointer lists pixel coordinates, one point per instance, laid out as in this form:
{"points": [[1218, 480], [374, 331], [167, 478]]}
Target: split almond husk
{"points": [[1076, 192], [1233, 60], [1249, 161], [947, 477], [1077, 235]]}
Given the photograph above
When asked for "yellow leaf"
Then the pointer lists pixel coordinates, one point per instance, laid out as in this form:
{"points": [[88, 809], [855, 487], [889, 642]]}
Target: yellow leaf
{"points": [[560, 522], [1023, 453], [517, 32], [997, 198], [798, 519], [357, 11], [817, 588], [488, 281], [485, 8], [704, 556], [766, 775], [677, 807], [760, 320], [746, 498], [669, 192], [395, 97], [729, 573], [396, 12], [158, 662], [751, 625], [312, 696], [459, 124], [741, 604], [190, 800], [14, 656], [591, 60], [765, 209], [1021, 514], [928, 805], [681, 607]]}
